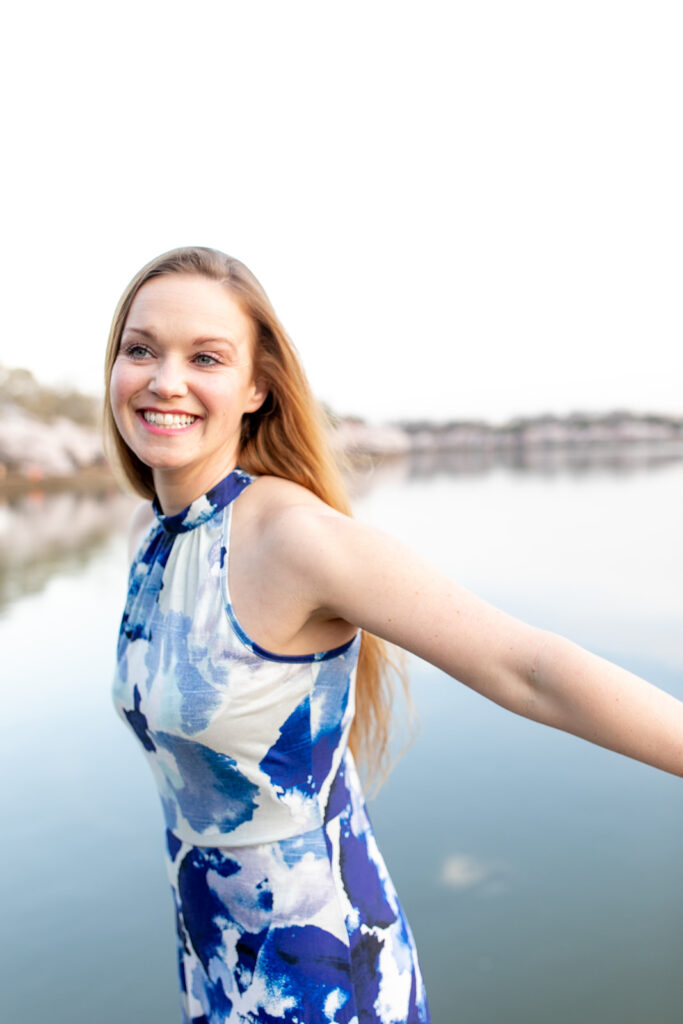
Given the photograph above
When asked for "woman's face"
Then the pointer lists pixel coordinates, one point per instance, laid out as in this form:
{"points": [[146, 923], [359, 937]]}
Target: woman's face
{"points": [[182, 381]]}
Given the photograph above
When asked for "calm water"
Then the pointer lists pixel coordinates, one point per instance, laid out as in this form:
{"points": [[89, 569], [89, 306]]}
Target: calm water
{"points": [[541, 875]]}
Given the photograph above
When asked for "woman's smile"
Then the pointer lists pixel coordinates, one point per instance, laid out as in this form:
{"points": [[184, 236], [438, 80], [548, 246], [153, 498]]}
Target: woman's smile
{"points": [[171, 422]]}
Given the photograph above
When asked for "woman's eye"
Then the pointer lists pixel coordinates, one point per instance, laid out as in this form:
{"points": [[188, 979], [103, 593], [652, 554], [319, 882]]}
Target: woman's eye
{"points": [[136, 351], [204, 359]]}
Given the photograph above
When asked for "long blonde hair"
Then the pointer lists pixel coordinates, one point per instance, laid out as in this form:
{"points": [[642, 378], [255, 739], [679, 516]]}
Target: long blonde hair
{"points": [[286, 437]]}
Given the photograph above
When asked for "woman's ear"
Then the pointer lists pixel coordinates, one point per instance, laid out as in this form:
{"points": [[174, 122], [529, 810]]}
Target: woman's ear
{"points": [[259, 394]]}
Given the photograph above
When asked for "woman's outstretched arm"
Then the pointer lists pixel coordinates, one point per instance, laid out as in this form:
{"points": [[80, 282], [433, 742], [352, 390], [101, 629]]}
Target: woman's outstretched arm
{"points": [[358, 574]]}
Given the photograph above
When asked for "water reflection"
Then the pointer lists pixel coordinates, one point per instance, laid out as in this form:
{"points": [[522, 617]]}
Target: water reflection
{"points": [[609, 460], [45, 535], [462, 871], [541, 876]]}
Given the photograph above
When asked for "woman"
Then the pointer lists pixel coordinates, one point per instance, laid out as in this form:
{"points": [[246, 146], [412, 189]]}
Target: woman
{"points": [[245, 677]]}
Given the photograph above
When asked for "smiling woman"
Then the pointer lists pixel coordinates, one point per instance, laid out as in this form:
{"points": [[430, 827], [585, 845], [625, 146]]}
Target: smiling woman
{"points": [[182, 381], [250, 666]]}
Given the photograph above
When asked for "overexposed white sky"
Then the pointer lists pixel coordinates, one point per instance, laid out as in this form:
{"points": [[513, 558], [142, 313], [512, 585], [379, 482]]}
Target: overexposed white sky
{"points": [[459, 209]]}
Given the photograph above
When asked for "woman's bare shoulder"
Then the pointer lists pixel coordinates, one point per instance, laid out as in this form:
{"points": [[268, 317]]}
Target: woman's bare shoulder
{"points": [[279, 513], [272, 496]]}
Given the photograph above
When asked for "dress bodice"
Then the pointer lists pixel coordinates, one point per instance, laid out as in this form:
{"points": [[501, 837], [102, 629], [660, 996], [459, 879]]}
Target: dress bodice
{"points": [[244, 743]]}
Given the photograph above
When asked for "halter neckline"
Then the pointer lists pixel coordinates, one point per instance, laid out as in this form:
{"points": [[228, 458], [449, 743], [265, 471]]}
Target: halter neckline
{"points": [[205, 507]]}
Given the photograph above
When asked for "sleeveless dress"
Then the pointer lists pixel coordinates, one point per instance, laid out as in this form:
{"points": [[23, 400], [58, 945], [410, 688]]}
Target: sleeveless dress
{"points": [[285, 910]]}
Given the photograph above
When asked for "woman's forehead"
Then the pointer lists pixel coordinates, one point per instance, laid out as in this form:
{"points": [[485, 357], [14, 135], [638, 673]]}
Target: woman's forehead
{"points": [[188, 302]]}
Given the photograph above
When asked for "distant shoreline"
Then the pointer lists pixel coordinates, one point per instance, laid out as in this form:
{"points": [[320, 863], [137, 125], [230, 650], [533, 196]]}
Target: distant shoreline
{"points": [[43, 449], [534, 442], [577, 430], [90, 480]]}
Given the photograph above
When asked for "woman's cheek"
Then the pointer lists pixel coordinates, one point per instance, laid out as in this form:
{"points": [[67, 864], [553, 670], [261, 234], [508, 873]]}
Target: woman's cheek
{"points": [[120, 390]]}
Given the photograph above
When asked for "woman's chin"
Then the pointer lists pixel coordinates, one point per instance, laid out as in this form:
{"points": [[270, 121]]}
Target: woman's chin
{"points": [[164, 464]]}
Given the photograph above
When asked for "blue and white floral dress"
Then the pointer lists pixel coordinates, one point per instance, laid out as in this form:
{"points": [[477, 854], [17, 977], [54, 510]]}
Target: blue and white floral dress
{"points": [[285, 909]]}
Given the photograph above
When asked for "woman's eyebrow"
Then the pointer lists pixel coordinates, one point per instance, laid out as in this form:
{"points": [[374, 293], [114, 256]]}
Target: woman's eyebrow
{"points": [[213, 339], [139, 330]]}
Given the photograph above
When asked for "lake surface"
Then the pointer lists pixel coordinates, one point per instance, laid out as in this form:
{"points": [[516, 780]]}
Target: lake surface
{"points": [[541, 875]]}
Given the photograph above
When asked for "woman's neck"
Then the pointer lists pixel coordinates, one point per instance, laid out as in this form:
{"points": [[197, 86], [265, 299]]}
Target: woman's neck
{"points": [[175, 490]]}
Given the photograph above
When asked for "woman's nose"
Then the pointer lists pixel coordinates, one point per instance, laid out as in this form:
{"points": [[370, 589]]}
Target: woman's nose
{"points": [[168, 380]]}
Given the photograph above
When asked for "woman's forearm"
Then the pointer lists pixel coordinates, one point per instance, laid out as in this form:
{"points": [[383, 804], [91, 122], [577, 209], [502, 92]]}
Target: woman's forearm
{"points": [[590, 697]]}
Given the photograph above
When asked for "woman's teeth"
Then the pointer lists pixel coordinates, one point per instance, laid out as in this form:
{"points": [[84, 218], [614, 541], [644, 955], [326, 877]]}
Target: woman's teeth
{"points": [[167, 419]]}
